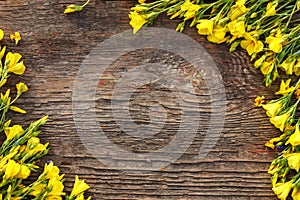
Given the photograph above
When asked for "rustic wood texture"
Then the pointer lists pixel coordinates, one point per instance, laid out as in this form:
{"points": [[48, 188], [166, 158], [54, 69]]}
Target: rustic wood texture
{"points": [[54, 46]]}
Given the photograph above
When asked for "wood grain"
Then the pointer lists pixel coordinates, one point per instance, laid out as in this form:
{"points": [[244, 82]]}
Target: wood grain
{"points": [[55, 45]]}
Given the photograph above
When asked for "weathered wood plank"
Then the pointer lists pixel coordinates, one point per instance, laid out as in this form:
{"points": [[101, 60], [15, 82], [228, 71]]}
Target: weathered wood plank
{"points": [[54, 46]]}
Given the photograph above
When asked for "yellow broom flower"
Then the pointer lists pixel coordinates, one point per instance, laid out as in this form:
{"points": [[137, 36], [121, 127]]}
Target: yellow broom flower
{"points": [[16, 37], [272, 108], [280, 120], [285, 88], [79, 187], [205, 27], [251, 44], [294, 161], [294, 139], [11, 169], [282, 190], [296, 194], [14, 65], [218, 35], [271, 9], [137, 21]]}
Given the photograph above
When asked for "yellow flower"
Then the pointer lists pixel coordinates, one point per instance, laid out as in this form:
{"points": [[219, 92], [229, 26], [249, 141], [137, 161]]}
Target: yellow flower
{"points": [[270, 145], [258, 63], [259, 100], [237, 10], [24, 172], [205, 27], [294, 161], [288, 66], [296, 194], [16, 36], [296, 68], [34, 146], [237, 28], [280, 120], [15, 130], [191, 12], [271, 142], [267, 67], [190, 9], [56, 189], [37, 189], [11, 169], [186, 5], [294, 139], [79, 187], [72, 8], [275, 42], [1, 34], [137, 21], [17, 109], [271, 11], [272, 108], [282, 190], [21, 87], [52, 171], [141, 1], [285, 88], [251, 44], [218, 35], [14, 65]]}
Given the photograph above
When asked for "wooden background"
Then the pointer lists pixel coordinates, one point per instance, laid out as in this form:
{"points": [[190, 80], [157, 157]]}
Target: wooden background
{"points": [[54, 46]]}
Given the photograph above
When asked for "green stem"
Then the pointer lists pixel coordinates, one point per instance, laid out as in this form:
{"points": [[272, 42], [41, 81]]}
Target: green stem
{"points": [[86, 3], [291, 15]]}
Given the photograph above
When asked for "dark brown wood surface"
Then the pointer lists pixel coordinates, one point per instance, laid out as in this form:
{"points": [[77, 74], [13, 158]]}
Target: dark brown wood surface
{"points": [[54, 46]]}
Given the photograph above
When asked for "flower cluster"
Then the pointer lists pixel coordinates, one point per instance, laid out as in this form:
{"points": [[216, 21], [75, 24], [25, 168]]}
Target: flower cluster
{"points": [[21, 148], [282, 113], [268, 30]]}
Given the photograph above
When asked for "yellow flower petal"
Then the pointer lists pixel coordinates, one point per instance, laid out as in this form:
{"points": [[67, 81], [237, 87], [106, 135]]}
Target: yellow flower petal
{"points": [[137, 21], [282, 190], [285, 88], [259, 100], [267, 67], [79, 187], [288, 66], [294, 139], [280, 121], [205, 27], [16, 36], [24, 172], [12, 169], [1, 34], [271, 11], [15, 130], [218, 35], [294, 161], [296, 194], [237, 28], [21, 87]]}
